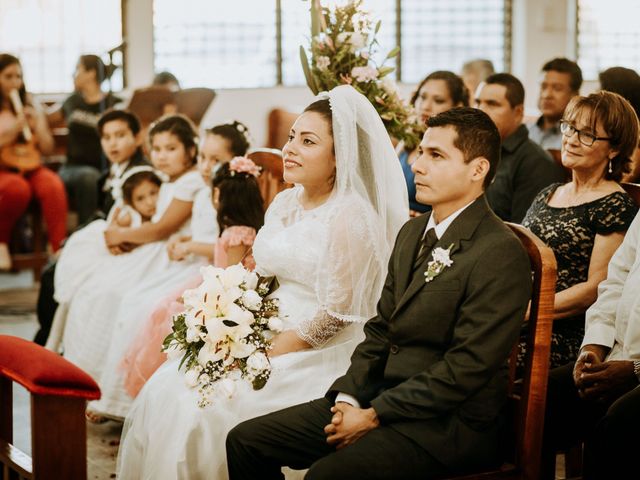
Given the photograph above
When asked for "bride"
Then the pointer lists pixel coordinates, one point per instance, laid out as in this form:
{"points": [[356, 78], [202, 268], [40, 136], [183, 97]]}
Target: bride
{"points": [[327, 240]]}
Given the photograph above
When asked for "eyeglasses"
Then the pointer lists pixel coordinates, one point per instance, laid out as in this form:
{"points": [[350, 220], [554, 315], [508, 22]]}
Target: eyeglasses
{"points": [[585, 138]]}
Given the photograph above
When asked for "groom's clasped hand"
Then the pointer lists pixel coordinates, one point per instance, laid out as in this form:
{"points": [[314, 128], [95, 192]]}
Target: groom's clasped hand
{"points": [[349, 424]]}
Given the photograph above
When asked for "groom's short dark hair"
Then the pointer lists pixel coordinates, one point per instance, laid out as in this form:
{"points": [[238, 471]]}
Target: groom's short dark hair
{"points": [[477, 135]]}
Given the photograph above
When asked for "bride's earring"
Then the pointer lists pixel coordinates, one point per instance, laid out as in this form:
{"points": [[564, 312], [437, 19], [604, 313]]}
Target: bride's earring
{"points": [[610, 169]]}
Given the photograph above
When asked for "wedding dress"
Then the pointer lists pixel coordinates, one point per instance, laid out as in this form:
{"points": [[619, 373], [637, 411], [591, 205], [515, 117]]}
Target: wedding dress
{"points": [[330, 262]]}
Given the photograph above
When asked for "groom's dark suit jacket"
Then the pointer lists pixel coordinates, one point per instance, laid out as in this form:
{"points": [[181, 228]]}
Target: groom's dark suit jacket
{"points": [[433, 364]]}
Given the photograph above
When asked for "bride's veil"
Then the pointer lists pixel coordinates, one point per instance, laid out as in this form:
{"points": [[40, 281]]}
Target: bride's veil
{"points": [[372, 194]]}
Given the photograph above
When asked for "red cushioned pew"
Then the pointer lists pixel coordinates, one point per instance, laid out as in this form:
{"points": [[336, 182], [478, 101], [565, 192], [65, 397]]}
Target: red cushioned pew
{"points": [[59, 394]]}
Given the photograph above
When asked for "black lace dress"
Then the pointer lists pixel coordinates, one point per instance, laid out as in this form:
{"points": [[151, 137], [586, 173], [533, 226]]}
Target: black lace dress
{"points": [[570, 232]]}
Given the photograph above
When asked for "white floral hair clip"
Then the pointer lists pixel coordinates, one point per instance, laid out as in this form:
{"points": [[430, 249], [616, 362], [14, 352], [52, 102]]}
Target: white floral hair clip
{"points": [[441, 260], [244, 165]]}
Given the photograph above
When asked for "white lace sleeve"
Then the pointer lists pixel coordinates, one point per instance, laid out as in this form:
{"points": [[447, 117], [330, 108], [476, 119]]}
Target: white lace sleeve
{"points": [[350, 276]]}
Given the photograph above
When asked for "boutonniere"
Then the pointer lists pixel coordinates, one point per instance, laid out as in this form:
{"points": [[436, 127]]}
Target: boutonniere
{"points": [[441, 260]]}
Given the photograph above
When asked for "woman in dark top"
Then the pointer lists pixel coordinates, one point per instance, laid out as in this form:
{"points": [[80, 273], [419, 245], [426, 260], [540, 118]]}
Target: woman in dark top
{"points": [[584, 221], [437, 93], [81, 111]]}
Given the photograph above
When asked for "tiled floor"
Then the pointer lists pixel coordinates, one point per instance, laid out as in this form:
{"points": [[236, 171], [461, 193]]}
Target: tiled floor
{"points": [[17, 317]]}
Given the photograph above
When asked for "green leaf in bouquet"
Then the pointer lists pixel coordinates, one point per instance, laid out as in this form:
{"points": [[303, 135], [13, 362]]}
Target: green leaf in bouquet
{"points": [[384, 71], [270, 283], [259, 382], [307, 72], [378, 25], [230, 323], [316, 15], [393, 53]]}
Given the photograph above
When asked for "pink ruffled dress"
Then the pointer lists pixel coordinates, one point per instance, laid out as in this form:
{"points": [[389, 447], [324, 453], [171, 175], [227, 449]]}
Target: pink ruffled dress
{"points": [[144, 356]]}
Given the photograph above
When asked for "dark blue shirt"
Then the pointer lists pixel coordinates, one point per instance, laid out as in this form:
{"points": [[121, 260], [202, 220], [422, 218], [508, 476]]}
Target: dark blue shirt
{"points": [[411, 185]]}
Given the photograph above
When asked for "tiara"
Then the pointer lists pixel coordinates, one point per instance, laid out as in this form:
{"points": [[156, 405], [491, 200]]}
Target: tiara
{"points": [[244, 165], [117, 183]]}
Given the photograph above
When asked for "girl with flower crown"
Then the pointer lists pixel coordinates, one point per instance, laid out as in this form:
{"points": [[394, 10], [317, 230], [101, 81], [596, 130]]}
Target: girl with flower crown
{"points": [[236, 197], [220, 144]]}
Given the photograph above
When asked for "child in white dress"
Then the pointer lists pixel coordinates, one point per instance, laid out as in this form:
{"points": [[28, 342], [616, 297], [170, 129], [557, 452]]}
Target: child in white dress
{"points": [[236, 197], [138, 302], [91, 312], [85, 250]]}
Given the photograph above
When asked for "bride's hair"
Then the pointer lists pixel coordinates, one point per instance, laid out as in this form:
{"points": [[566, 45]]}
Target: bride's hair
{"points": [[323, 107]]}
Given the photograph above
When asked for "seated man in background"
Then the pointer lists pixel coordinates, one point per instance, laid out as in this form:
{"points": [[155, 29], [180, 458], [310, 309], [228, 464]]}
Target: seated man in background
{"points": [[474, 72], [597, 399], [524, 167], [425, 391], [561, 81]]}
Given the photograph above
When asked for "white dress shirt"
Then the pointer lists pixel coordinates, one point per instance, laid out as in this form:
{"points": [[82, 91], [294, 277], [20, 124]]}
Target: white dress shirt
{"points": [[439, 228], [614, 319]]}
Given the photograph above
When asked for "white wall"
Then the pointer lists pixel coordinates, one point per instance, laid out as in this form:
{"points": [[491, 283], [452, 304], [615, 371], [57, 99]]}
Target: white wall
{"points": [[542, 29]]}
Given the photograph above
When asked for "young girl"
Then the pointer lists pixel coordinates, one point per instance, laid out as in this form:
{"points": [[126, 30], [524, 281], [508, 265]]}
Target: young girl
{"points": [[92, 311], [136, 303], [237, 199], [85, 250], [221, 143], [140, 189]]}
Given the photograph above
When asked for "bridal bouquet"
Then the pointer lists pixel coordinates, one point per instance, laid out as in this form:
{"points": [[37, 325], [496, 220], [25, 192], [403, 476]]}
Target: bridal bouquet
{"points": [[224, 331], [343, 42]]}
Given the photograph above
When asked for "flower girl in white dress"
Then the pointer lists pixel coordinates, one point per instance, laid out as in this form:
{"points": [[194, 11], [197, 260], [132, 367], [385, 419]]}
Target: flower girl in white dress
{"points": [[90, 312], [138, 302], [327, 240]]}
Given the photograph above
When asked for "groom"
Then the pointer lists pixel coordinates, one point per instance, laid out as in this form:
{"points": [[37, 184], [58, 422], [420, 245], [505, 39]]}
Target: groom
{"points": [[425, 391]]}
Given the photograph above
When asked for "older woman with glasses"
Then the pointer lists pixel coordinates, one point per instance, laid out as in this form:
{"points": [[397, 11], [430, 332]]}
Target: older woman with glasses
{"points": [[584, 221]]}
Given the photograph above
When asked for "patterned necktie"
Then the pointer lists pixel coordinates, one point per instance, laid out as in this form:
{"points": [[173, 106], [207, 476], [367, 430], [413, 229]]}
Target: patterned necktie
{"points": [[428, 241]]}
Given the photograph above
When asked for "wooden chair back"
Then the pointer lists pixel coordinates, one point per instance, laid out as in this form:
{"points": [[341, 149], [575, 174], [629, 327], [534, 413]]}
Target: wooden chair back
{"points": [[33, 256], [529, 400], [270, 180], [194, 102], [279, 124], [59, 392], [633, 189], [557, 157]]}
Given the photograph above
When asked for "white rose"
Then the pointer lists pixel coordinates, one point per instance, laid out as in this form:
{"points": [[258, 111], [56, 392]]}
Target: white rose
{"points": [[208, 354], [240, 349], [191, 378], [364, 74], [251, 280], [275, 324], [227, 387], [323, 62], [258, 362], [251, 300], [358, 41], [441, 255], [193, 334], [233, 276], [355, 40]]}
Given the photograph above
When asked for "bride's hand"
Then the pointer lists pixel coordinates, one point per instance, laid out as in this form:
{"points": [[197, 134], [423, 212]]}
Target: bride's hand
{"points": [[287, 342]]}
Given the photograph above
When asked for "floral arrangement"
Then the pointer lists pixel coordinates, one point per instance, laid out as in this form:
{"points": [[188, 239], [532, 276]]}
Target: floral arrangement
{"points": [[244, 165], [343, 42], [441, 260], [224, 332]]}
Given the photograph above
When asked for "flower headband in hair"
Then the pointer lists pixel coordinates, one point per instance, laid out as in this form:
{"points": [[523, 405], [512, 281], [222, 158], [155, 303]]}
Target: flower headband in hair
{"points": [[244, 165], [117, 183]]}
